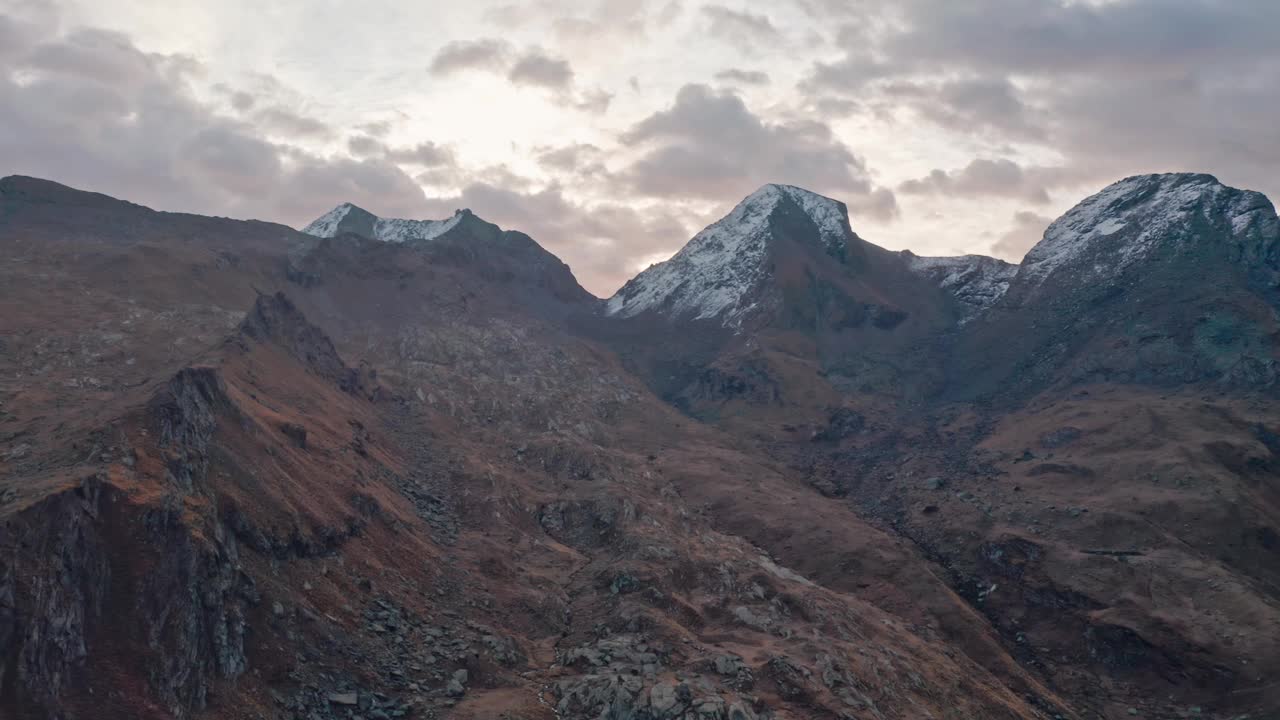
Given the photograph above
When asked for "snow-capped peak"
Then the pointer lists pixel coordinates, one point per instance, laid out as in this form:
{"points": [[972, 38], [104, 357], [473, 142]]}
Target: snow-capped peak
{"points": [[713, 275], [1123, 223], [350, 218], [327, 224]]}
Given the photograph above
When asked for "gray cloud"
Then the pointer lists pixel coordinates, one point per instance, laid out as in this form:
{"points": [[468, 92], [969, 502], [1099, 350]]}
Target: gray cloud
{"points": [[538, 69], [377, 128], [365, 146], [1114, 88], [981, 178], [699, 148], [743, 77], [851, 74], [23, 26], [483, 54], [593, 101], [426, 154], [285, 122], [578, 158], [744, 30], [1027, 229], [531, 68], [1145, 36], [91, 110], [242, 101], [993, 106]]}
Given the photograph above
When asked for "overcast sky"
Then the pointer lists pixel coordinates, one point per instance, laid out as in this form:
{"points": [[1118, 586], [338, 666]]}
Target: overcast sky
{"points": [[612, 130]]}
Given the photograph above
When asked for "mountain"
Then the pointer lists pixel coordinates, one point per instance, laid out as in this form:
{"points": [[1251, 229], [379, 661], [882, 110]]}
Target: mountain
{"points": [[393, 468], [719, 273], [783, 254], [503, 256], [1158, 279], [779, 286], [1165, 219]]}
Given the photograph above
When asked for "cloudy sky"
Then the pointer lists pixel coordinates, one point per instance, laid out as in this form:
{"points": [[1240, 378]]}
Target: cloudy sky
{"points": [[611, 130]]}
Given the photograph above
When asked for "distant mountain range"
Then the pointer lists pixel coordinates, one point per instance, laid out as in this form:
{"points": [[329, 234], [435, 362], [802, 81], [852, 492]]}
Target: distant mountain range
{"points": [[411, 468]]}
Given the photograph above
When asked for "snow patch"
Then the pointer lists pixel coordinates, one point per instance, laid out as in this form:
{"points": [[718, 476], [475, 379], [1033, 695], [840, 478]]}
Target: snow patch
{"points": [[1109, 226], [397, 231]]}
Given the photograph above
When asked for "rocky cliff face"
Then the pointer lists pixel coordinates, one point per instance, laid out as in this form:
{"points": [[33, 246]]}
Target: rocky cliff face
{"points": [[95, 579]]}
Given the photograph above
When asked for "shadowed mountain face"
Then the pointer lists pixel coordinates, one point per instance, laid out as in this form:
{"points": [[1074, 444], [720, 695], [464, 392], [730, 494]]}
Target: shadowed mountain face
{"points": [[396, 468]]}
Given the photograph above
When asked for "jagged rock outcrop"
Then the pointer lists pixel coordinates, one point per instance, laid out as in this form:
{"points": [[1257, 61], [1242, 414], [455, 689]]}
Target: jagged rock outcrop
{"points": [[92, 578]]}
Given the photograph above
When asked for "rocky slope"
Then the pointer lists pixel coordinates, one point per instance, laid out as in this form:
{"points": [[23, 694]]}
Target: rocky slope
{"points": [[411, 469]]}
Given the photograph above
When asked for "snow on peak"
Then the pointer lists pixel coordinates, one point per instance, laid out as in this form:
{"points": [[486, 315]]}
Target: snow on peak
{"points": [[713, 274], [326, 226], [1120, 225], [977, 281], [350, 218]]}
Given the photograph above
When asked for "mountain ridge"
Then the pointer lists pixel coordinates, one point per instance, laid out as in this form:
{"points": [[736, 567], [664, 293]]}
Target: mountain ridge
{"points": [[291, 476], [712, 273]]}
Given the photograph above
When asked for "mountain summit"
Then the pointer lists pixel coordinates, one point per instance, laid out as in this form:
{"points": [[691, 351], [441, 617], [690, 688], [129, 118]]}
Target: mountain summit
{"points": [[714, 275], [1161, 279], [1149, 216]]}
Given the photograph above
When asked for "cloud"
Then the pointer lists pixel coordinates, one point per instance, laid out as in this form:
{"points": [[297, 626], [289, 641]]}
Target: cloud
{"points": [[1027, 229], [426, 154], [744, 30], [530, 68], [483, 54], [241, 100], [537, 69], [981, 178], [23, 25], [377, 128], [365, 146], [92, 110], [1113, 88], [851, 74], [993, 106], [743, 77], [576, 158], [283, 122], [710, 145], [595, 101], [1084, 37]]}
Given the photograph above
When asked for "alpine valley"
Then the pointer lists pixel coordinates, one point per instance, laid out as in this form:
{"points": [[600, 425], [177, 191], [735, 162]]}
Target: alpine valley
{"points": [[389, 468]]}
